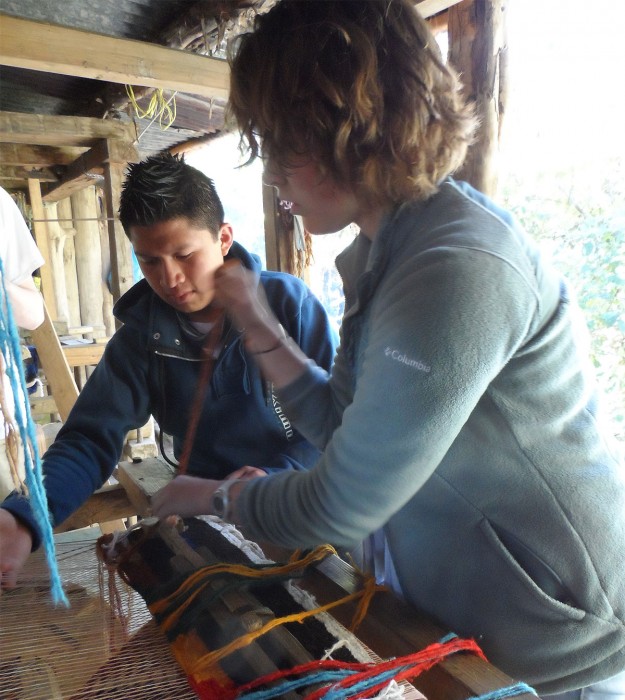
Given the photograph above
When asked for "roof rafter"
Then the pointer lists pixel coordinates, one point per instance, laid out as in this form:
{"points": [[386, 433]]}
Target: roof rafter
{"points": [[55, 49]]}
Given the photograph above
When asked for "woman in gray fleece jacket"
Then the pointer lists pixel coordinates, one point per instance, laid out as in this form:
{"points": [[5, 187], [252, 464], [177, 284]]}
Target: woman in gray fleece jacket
{"points": [[464, 457]]}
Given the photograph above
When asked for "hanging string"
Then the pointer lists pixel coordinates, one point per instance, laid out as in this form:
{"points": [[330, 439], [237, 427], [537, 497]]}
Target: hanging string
{"points": [[10, 346], [158, 108], [210, 351]]}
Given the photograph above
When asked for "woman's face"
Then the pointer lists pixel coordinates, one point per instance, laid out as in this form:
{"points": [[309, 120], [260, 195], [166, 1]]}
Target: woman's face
{"points": [[324, 205]]}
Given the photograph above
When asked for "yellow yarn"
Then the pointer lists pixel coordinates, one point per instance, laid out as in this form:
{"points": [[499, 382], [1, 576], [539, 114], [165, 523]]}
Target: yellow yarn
{"points": [[158, 107], [202, 578], [209, 660]]}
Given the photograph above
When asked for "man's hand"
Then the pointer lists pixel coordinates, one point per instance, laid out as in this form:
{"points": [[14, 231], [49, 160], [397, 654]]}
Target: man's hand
{"points": [[15, 544], [246, 473], [184, 496]]}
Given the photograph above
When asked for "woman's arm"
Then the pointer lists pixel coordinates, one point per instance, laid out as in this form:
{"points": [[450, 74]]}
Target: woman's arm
{"points": [[279, 358]]}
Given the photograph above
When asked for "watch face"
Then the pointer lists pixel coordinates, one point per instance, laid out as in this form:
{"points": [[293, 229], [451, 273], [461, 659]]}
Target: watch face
{"points": [[218, 503]]}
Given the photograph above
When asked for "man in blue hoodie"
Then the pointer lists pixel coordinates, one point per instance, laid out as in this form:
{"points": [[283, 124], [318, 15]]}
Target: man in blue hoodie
{"points": [[152, 365]]}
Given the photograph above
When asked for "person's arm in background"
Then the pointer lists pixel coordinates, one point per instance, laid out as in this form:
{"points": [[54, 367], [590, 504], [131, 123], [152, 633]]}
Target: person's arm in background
{"points": [[26, 302], [20, 258]]}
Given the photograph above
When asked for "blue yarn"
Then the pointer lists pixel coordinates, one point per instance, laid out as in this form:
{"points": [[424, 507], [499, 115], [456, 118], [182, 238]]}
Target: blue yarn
{"points": [[318, 678], [346, 693], [447, 638], [10, 347], [509, 692], [288, 686]]}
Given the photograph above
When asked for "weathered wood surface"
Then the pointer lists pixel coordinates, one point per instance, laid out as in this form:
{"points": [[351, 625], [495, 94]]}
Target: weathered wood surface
{"points": [[108, 505], [142, 480], [55, 366], [477, 50], [55, 49], [55, 130]]}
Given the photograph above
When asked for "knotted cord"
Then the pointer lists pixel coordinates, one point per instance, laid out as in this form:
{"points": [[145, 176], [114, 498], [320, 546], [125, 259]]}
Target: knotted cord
{"points": [[12, 356], [210, 351]]}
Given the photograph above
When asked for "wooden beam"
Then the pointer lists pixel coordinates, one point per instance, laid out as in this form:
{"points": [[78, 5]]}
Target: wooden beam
{"points": [[40, 229], [106, 504], [80, 355], [15, 172], [272, 247], [55, 49], [143, 480], [53, 130], [119, 245], [55, 367], [37, 156], [428, 8], [88, 168]]}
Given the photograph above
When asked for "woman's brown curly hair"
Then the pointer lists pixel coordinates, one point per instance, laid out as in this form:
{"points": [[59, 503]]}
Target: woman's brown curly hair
{"points": [[360, 86]]}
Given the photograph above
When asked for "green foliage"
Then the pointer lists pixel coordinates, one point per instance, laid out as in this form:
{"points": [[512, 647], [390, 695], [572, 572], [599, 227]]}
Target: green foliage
{"points": [[578, 217]]}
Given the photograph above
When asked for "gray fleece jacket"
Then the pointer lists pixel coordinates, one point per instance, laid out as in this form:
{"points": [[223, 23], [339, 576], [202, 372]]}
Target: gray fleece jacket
{"points": [[461, 417]]}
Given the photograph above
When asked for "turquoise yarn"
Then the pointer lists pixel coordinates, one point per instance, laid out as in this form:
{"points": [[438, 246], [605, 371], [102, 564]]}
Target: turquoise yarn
{"points": [[508, 692], [10, 347]]}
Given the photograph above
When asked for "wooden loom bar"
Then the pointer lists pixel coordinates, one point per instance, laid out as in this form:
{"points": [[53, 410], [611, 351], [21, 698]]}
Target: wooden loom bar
{"points": [[457, 678]]}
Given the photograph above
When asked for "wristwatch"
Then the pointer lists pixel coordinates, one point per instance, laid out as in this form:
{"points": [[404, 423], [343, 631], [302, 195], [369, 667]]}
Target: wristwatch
{"points": [[221, 505]]}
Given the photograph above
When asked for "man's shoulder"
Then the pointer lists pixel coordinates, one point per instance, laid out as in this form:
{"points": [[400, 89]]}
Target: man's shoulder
{"points": [[136, 301], [284, 283]]}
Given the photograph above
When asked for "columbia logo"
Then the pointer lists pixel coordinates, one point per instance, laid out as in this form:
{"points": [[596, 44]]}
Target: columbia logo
{"points": [[405, 360]]}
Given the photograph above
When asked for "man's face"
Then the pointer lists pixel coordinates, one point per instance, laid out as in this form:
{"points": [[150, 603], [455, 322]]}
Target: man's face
{"points": [[179, 262]]}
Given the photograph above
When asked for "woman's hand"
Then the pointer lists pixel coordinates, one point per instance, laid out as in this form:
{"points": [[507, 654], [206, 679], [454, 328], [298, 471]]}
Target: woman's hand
{"points": [[237, 291], [184, 496]]}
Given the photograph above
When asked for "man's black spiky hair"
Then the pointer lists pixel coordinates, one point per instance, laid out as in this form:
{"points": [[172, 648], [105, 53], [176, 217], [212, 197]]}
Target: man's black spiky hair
{"points": [[164, 187]]}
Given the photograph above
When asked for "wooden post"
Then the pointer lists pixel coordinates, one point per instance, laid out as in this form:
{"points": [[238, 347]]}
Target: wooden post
{"points": [[105, 258], [477, 51], [272, 246], [118, 155], [41, 237], [56, 241], [88, 260], [64, 208], [55, 366]]}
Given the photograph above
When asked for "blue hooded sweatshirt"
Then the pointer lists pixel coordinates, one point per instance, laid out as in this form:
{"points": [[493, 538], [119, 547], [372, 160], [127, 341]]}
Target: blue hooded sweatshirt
{"points": [[151, 366]]}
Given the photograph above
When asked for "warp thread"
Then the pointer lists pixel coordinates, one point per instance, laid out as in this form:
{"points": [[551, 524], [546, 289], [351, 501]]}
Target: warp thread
{"points": [[10, 346]]}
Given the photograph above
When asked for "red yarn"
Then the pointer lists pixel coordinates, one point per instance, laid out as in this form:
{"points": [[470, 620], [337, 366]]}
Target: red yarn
{"points": [[417, 663], [211, 689]]}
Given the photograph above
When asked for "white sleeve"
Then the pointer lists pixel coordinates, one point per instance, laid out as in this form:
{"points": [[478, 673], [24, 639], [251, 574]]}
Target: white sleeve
{"points": [[18, 250]]}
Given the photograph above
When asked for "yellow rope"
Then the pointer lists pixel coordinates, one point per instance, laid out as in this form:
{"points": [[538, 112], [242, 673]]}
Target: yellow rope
{"points": [[158, 107], [202, 578], [204, 663]]}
